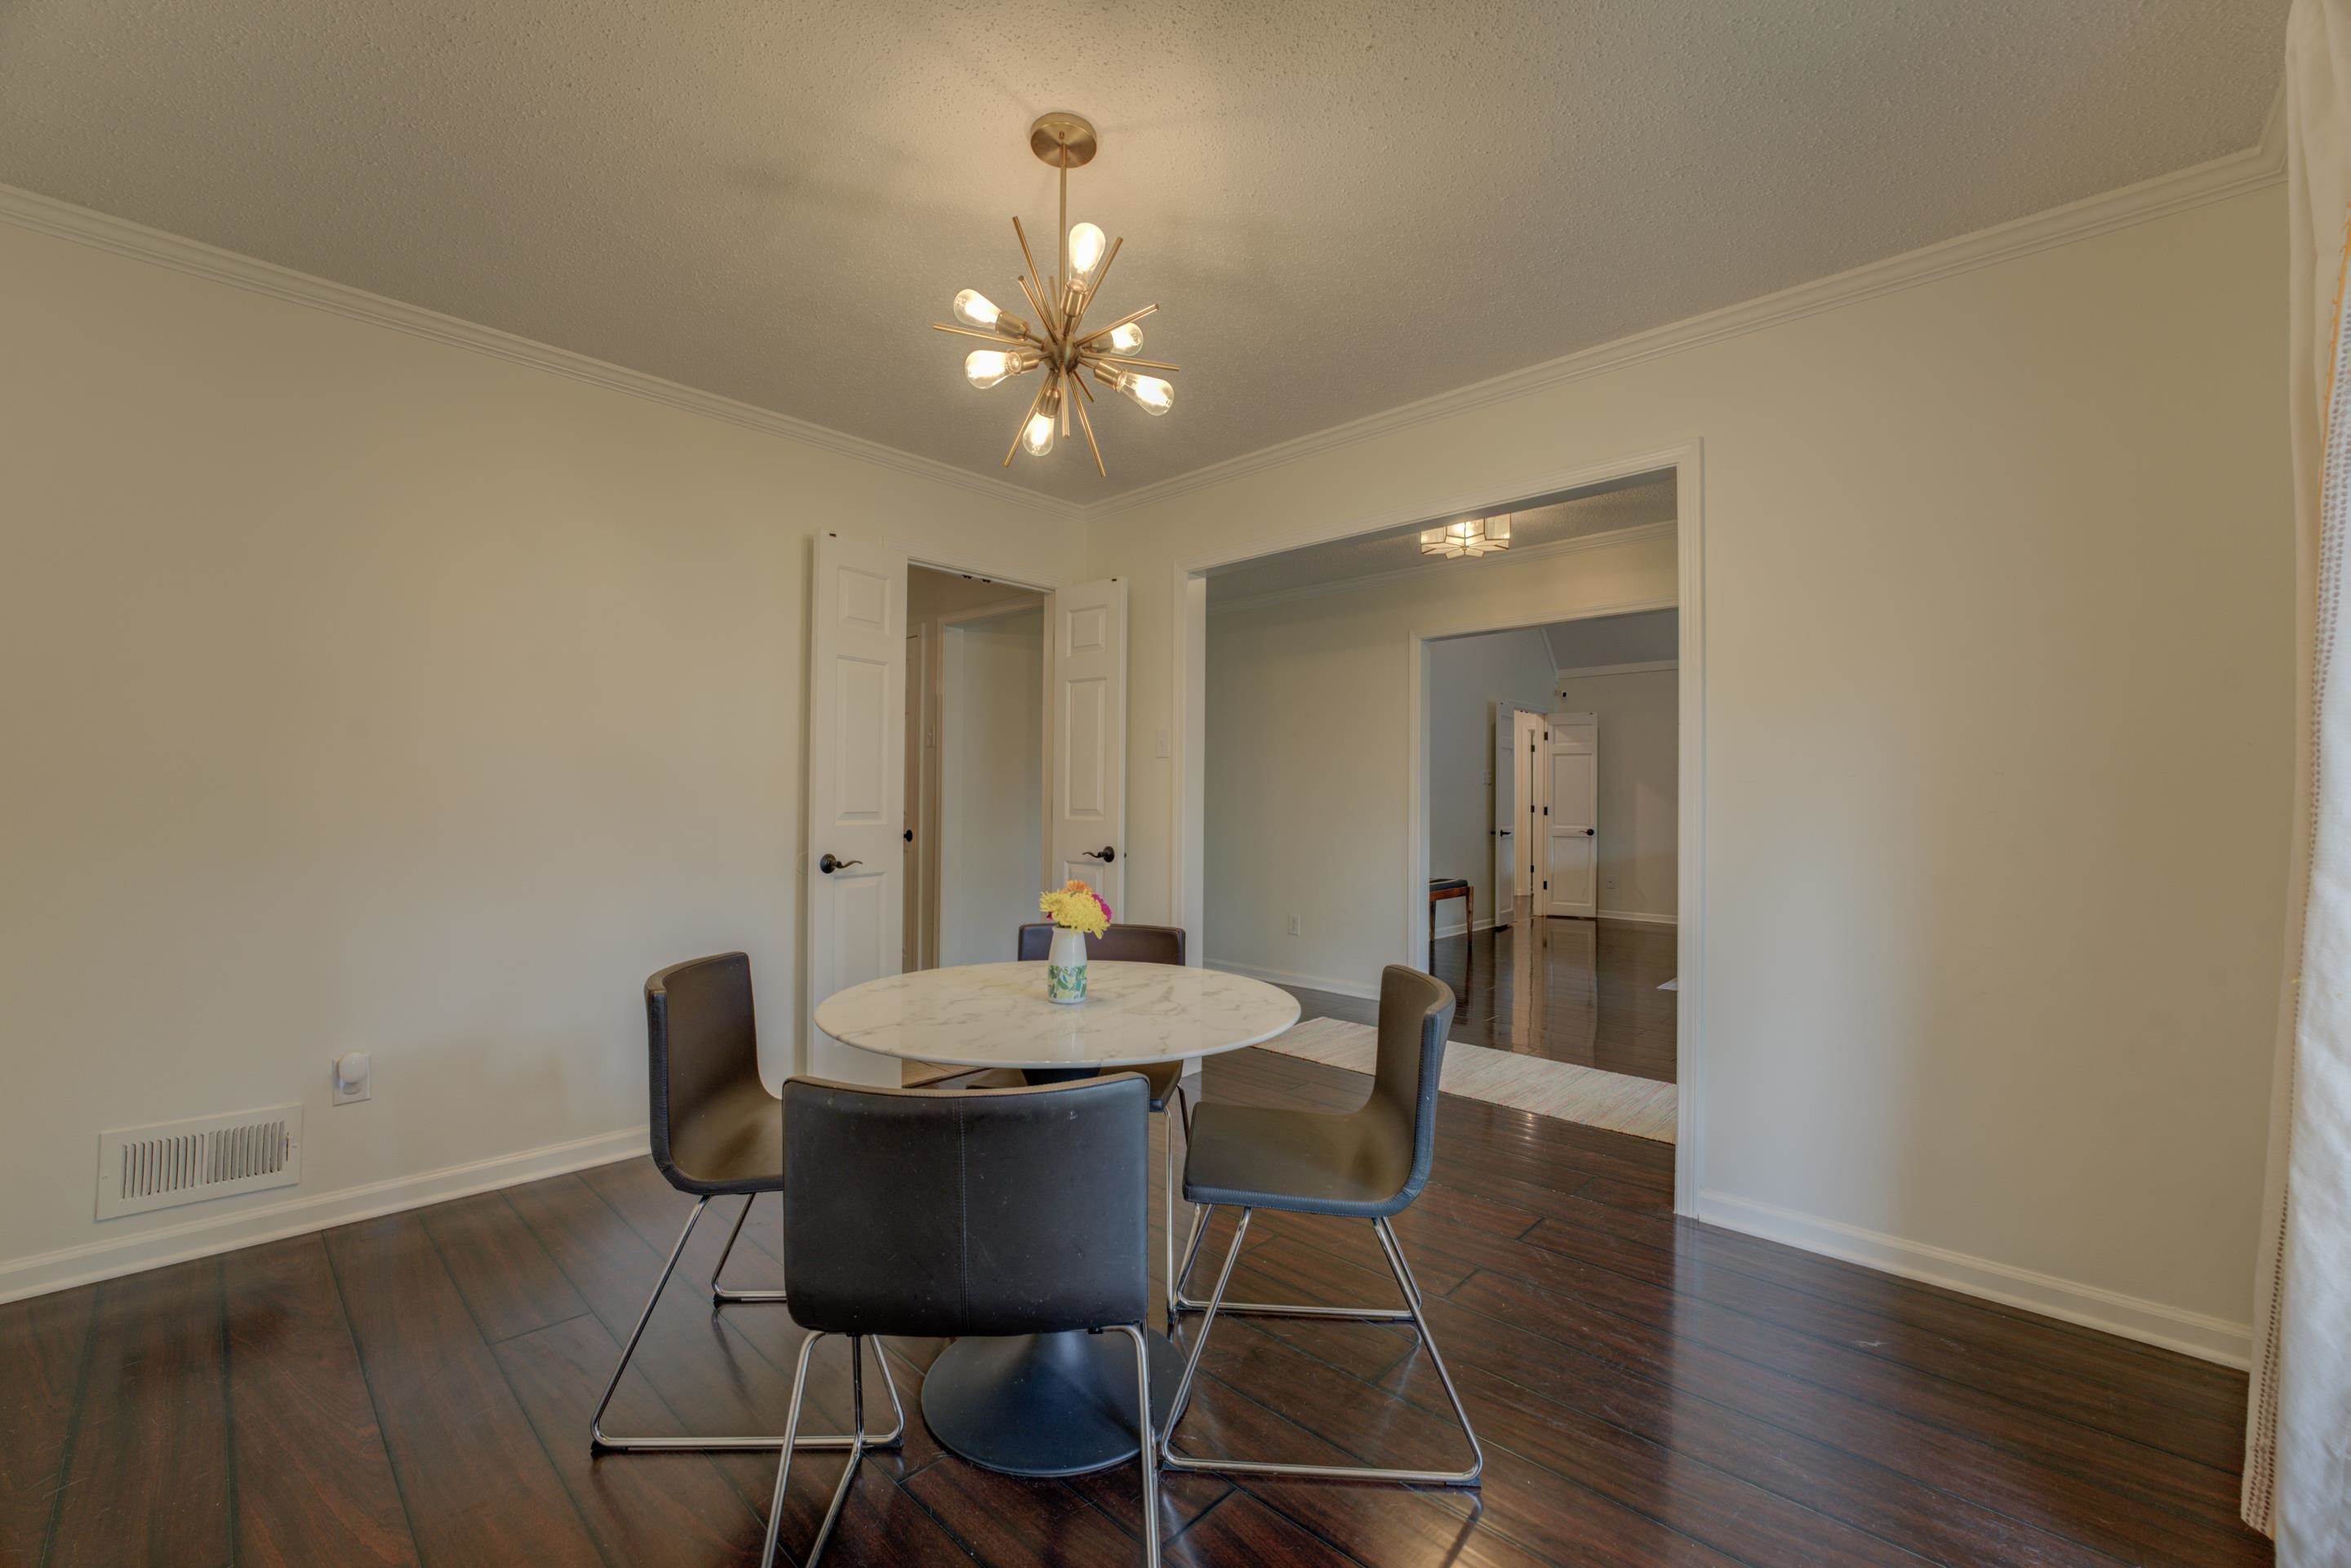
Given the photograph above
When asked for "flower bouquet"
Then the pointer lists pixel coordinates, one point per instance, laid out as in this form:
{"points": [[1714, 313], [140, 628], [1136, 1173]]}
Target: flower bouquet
{"points": [[1077, 912]]}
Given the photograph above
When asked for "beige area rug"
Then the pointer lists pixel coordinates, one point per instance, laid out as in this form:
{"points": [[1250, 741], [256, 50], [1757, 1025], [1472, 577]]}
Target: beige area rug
{"points": [[1616, 1101]]}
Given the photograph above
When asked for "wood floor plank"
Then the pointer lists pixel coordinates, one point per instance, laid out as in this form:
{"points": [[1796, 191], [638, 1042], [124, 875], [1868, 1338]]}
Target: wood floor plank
{"points": [[510, 1284], [1649, 1390], [314, 1481], [1967, 1463], [478, 1487], [660, 1511], [42, 1346], [149, 1482]]}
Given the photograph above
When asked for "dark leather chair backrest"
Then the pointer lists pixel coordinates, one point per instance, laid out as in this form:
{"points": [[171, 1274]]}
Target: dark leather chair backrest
{"points": [[1119, 944], [702, 1041], [966, 1211], [1416, 1014]]}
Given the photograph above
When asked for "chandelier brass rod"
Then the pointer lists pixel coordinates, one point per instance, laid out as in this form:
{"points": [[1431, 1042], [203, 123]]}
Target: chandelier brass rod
{"points": [[1052, 332], [1061, 256], [1087, 425], [1035, 272], [999, 339], [1021, 428], [1093, 289], [1123, 320], [1118, 361]]}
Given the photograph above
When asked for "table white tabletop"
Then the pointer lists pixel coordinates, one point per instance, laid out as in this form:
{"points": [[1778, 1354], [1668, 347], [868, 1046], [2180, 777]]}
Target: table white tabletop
{"points": [[996, 1015]]}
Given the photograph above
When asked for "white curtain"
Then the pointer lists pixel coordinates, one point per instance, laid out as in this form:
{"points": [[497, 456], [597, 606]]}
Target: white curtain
{"points": [[2298, 1439]]}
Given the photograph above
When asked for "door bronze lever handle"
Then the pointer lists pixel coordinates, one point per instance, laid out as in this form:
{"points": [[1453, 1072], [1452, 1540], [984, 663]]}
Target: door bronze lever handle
{"points": [[829, 865], [1106, 854]]}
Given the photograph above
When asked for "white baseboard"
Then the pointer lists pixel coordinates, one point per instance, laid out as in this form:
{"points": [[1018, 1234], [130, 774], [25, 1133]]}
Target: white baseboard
{"points": [[2132, 1317], [1304, 982], [201, 1237], [1638, 919], [1485, 925]]}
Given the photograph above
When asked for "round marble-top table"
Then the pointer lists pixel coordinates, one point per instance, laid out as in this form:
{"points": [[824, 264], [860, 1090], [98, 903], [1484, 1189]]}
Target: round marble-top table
{"points": [[1060, 1403]]}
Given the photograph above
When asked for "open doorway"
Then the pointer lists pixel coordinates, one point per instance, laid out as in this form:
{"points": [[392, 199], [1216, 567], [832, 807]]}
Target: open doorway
{"points": [[1553, 779], [975, 769], [1349, 786]]}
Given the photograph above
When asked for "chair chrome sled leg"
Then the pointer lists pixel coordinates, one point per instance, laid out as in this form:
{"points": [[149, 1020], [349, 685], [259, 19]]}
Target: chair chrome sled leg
{"points": [[719, 1295], [1178, 1302], [1413, 1310], [791, 1442], [601, 1442]]}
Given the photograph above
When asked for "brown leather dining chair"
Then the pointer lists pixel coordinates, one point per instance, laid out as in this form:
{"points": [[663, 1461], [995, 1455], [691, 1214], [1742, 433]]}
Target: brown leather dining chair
{"points": [[717, 1133], [1138, 944]]}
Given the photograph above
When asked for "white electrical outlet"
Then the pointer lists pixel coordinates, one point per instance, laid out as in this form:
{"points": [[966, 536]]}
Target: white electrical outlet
{"points": [[1610, 884], [1293, 926], [354, 1077]]}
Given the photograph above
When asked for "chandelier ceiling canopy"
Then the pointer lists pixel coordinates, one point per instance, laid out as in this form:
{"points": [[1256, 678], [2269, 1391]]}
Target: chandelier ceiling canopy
{"points": [[1058, 344]]}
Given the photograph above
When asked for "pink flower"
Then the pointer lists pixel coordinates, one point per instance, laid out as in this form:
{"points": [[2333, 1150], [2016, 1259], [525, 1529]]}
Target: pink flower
{"points": [[1105, 905]]}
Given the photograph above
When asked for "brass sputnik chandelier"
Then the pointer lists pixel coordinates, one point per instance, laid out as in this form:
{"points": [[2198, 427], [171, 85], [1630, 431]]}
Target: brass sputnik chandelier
{"points": [[1059, 345]]}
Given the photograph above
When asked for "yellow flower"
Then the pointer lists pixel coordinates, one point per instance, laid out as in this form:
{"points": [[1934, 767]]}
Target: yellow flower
{"points": [[1074, 907]]}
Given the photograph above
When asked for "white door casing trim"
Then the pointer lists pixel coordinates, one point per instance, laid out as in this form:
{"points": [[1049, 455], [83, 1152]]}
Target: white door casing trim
{"points": [[1188, 800]]}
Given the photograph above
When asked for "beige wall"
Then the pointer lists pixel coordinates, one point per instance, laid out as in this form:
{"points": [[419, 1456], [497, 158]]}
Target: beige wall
{"points": [[1998, 683], [991, 784], [1639, 775], [364, 691]]}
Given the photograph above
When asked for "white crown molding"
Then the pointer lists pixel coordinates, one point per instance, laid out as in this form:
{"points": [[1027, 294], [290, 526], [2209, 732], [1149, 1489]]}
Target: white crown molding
{"points": [[2094, 1306], [2258, 166], [63, 219], [1634, 535]]}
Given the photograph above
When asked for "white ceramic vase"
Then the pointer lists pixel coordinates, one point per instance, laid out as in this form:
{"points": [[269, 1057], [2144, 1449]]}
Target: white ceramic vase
{"points": [[1065, 966]]}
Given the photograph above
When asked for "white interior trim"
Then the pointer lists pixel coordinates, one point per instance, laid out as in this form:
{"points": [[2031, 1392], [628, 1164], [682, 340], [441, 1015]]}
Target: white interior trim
{"points": [[1188, 805], [1634, 535], [2253, 169], [204, 1236], [1355, 989], [1635, 917], [2132, 1317], [46, 215]]}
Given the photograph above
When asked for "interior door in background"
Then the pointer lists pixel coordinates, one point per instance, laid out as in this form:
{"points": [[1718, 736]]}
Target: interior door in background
{"points": [[856, 809], [1502, 773], [1571, 815], [1527, 734], [918, 738], [1085, 739]]}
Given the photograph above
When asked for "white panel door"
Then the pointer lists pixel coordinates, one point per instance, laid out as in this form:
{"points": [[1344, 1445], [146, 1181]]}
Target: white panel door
{"points": [[1571, 815], [1085, 739], [1503, 769], [856, 784]]}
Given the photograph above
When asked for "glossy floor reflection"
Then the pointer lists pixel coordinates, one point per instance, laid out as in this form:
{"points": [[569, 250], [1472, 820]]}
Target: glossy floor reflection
{"points": [[415, 1389]]}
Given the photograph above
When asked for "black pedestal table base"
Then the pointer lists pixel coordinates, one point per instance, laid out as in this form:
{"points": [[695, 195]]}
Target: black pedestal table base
{"points": [[1045, 1405]]}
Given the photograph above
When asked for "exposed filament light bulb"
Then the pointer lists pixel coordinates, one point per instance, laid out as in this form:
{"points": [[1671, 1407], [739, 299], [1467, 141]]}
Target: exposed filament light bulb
{"points": [[1150, 394], [987, 367], [1125, 340], [1087, 244], [974, 308], [1037, 436]]}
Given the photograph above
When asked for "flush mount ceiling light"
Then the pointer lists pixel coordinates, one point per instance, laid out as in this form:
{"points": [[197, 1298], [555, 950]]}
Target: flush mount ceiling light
{"points": [[1479, 535], [1058, 345]]}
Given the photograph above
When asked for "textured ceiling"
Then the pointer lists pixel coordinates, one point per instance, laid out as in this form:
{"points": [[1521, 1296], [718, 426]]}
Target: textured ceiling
{"points": [[1548, 520], [1341, 206]]}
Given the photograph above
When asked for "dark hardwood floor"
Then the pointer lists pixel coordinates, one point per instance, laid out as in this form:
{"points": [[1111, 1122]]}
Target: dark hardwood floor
{"points": [[415, 1390], [1583, 991]]}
